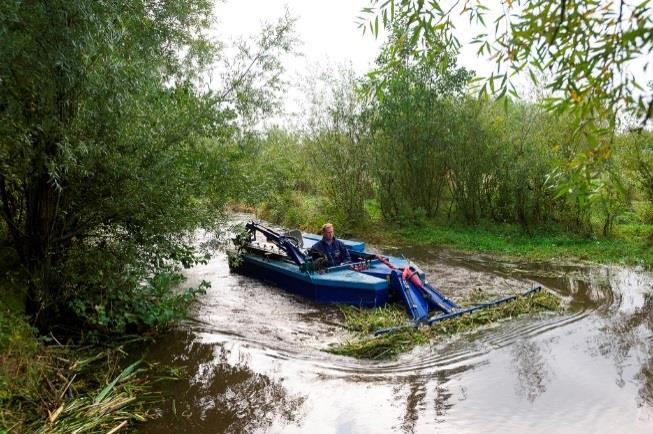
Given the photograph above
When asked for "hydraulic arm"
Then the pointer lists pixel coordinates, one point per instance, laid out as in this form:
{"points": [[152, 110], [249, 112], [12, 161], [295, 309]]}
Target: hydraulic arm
{"points": [[283, 242]]}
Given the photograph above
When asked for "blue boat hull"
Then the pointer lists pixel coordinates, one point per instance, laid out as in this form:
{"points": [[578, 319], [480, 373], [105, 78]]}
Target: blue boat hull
{"points": [[340, 285], [366, 282]]}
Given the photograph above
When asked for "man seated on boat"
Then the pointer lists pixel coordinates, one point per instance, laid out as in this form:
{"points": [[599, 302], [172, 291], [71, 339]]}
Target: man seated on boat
{"points": [[333, 250]]}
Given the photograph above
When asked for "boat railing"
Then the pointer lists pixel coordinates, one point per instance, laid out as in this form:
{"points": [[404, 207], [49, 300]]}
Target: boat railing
{"points": [[357, 265]]}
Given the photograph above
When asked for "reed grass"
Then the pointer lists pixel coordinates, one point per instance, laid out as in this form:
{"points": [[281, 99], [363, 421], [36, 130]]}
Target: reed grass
{"points": [[59, 388], [117, 404], [364, 322]]}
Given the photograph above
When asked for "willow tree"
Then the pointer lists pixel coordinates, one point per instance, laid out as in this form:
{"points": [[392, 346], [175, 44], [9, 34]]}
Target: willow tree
{"points": [[414, 132], [106, 164], [592, 48], [596, 52]]}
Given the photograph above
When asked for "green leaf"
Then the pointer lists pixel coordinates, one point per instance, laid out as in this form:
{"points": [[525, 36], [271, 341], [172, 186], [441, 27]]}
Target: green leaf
{"points": [[124, 374]]}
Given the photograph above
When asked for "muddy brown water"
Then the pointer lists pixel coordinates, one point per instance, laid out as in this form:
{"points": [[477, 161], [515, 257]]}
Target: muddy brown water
{"points": [[254, 360]]}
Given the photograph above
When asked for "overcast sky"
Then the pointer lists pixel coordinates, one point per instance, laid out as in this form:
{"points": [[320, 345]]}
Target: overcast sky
{"points": [[330, 36], [329, 33], [328, 30]]}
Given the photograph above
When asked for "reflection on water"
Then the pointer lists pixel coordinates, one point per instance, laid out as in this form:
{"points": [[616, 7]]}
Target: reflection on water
{"points": [[625, 337], [255, 360], [419, 404], [414, 403], [645, 375], [646, 391], [441, 403], [219, 394], [531, 369]]}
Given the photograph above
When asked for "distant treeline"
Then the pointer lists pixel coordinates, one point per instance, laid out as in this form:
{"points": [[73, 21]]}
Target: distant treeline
{"points": [[410, 141]]}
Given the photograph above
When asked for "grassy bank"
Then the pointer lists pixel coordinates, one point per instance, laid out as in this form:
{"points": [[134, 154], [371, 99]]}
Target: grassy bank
{"points": [[630, 243], [48, 384]]}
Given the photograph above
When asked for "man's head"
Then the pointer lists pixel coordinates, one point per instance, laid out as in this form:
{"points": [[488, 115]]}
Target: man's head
{"points": [[327, 232]]}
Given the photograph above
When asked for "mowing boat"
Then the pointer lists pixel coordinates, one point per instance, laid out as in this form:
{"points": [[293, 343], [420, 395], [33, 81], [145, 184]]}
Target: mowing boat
{"points": [[369, 280]]}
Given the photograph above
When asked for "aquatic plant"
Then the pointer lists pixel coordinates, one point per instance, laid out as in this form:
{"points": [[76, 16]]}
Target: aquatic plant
{"points": [[364, 322]]}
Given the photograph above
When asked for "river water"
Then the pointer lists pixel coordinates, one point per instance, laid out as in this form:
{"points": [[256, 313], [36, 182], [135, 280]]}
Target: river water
{"points": [[254, 361]]}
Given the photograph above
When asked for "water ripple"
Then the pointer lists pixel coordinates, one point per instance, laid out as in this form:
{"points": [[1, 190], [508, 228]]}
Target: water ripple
{"points": [[258, 360]]}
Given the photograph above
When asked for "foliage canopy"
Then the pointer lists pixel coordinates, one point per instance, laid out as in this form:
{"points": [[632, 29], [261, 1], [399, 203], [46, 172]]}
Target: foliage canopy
{"points": [[111, 150], [589, 46]]}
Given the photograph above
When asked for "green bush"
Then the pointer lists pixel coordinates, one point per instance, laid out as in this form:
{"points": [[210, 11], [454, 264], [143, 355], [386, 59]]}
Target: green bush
{"points": [[111, 287]]}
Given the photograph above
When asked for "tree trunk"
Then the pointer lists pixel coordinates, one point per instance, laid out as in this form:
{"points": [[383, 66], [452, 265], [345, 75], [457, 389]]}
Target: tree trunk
{"points": [[40, 218]]}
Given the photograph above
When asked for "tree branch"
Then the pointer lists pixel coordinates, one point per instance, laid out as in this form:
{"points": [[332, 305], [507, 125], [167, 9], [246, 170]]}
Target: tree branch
{"points": [[563, 4], [649, 113]]}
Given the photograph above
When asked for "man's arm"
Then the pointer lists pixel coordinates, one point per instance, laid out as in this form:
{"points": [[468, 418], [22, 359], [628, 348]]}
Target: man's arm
{"points": [[346, 257], [316, 248]]}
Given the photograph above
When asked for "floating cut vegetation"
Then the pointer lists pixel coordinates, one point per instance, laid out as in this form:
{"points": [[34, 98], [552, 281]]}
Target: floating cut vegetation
{"points": [[364, 322]]}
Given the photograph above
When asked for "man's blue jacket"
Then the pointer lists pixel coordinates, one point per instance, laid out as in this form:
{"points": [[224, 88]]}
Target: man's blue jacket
{"points": [[336, 253]]}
